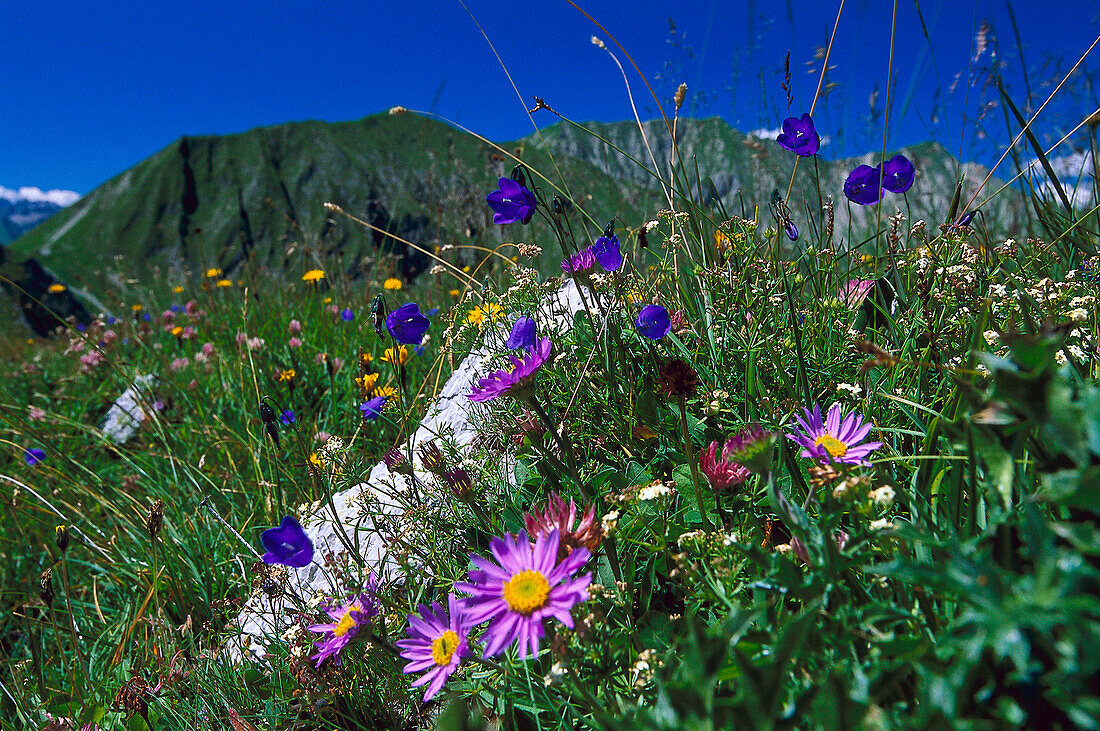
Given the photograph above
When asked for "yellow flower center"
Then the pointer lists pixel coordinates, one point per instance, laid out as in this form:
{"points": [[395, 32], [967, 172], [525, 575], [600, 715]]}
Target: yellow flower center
{"points": [[345, 625], [443, 647], [833, 446], [526, 591]]}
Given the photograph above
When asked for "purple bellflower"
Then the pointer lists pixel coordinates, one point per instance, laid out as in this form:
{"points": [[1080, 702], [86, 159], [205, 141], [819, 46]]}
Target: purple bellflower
{"points": [[524, 333], [33, 456], [512, 202], [288, 544], [373, 409], [347, 315], [898, 174], [653, 322], [406, 324], [799, 136], [607, 252], [862, 185]]}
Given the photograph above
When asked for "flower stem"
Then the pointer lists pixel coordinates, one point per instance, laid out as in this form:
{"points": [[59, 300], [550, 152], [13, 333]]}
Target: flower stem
{"points": [[689, 455], [563, 445]]}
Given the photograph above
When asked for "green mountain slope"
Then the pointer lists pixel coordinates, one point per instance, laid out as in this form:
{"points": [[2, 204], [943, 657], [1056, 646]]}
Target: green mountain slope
{"points": [[257, 198]]}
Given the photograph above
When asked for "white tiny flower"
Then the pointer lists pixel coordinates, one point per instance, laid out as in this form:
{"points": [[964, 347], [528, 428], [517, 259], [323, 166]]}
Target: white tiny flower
{"points": [[991, 337], [651, 225], [1078, 315], [1060, 358], [883, 496], [610, 522], [654, 491], [881, 524], [849, 389]]}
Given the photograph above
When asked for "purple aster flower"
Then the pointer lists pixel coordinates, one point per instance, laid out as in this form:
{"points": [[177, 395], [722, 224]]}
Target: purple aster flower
{"points": [[288, 544], [347, 619], [347, 315], [862, 185], [580, 262], [653, 322], [373, 409], [287, 417], [799, 136], [33, 456], [524, 585], [437, 643], [607, 253], [897, 174], [511, 203], [524, 333], [518, 381], [406, 324], [836, 438]]}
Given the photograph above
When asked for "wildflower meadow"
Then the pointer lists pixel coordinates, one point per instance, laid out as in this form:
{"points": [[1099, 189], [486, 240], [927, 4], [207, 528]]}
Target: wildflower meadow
{"points": [[802, 462]]}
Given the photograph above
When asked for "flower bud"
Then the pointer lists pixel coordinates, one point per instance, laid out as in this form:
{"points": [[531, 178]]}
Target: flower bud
{"points": [[61, 534]]}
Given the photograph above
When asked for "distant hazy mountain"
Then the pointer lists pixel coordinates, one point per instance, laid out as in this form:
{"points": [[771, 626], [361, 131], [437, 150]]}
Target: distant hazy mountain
{"points": [[24, 208]]}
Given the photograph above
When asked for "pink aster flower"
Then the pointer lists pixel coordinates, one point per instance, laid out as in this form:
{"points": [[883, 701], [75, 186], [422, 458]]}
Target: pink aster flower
{"points": [[347, 619], [437, 643], [524, 585], [836, 438], [516, 381], [855, 291], [720, 468], [580, 262]]}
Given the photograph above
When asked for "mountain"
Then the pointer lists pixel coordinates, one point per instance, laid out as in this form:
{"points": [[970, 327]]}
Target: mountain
{"points": [[258, 198], [23, 209], [254, 202]]}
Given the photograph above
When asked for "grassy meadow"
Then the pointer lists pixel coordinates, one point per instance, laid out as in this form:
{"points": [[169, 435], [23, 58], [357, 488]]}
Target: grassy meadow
{"points": [[839, 479]]}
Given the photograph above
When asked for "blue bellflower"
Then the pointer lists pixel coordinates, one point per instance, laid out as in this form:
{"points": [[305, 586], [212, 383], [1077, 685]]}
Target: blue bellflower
{"points": [[524, 333], [372, 409], [511, 203], [347, 315], [287, 418], [608, 253], [406, 324], [653, 322], [799, 136], [898, 174], [288, 544], [862, 185], [33, 456]]}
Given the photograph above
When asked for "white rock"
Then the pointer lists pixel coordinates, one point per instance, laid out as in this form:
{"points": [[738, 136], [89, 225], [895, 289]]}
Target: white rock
{"points": [[262, 620], [125, 415]]}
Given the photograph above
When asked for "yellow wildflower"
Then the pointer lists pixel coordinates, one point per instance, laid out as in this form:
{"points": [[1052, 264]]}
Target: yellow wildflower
{"points": [[285, 375], [366, 382], [392, 283], [313, 275], [366, 358], [56, 288], [387, 391], [177, 331], [491, 310], [455, 293], [177, 289], [326, 300], [402, 355], [223, 283], [213, 272], [136, 308]]}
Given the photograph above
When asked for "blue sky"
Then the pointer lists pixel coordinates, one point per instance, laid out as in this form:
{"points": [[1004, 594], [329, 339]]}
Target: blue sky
{"points": [[90, 89]]}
